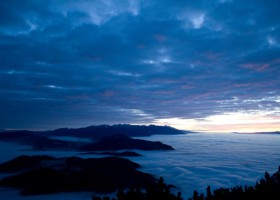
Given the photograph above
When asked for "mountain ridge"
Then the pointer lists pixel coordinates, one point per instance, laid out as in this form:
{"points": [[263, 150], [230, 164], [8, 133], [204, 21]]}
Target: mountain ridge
{"points": [[100, 131], [109, 130], [47, 140]]}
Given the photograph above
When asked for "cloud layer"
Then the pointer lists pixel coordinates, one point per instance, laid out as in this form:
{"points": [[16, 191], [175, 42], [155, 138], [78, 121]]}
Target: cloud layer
{"points": [[77, 63]]}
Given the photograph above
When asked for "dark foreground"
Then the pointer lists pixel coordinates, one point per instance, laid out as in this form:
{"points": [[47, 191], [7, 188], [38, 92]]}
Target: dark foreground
{"points": [[46, 174], [34, 175], [268, 188]]}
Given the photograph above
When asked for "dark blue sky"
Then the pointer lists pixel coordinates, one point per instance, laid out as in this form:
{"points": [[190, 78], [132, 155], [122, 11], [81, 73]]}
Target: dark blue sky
{"points": [[190, 64]]}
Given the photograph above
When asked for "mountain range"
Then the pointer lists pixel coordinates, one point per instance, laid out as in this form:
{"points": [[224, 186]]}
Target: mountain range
{"points": [[103, 137]]}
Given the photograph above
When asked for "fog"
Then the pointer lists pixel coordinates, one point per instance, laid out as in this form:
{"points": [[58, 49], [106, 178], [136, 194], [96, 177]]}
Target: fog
{"points": [[219, 160]]}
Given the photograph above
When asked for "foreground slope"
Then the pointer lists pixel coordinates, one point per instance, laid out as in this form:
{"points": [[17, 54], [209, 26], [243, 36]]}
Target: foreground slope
{"points": [[46, 174]]}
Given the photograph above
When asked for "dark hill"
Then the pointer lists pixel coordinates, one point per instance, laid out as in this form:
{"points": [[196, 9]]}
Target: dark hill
{"points": [[120, 142], [44, 140], [100, 131], [110, 153], [37, 140], [97, 132], [45, 174]]}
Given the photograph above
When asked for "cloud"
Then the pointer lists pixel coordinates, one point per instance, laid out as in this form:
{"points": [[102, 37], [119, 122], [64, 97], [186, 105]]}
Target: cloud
{"points": [[91, 62], [197, 21]]}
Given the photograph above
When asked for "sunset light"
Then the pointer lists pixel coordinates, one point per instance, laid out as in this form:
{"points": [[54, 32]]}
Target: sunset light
{"points": [[229, 122]]}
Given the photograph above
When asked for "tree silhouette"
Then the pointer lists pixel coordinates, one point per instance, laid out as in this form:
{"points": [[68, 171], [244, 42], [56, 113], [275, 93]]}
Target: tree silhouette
{"points": [[160, 191], [268, 188]]}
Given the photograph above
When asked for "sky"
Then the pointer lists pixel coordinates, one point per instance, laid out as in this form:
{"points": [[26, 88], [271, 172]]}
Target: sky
{"points": [[211, 65]]}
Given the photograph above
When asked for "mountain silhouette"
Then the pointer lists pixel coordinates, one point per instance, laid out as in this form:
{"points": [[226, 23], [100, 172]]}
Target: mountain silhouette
{"points": [[103, 137], [97, 132], [121, 141], [46, 174]]}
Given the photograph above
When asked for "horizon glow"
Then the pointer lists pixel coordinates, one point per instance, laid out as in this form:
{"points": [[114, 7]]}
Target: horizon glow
{"points": [[228, 122]]}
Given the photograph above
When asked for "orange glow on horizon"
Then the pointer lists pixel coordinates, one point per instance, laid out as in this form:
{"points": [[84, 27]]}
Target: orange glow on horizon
{"points": [[229, 122]]}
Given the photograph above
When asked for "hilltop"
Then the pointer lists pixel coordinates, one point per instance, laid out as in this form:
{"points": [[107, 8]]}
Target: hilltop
{"points": [[100, 131], [101, 137], [45, 174]]}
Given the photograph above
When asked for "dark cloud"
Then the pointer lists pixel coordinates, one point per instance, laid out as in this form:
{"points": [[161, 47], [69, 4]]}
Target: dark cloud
{"points": [[77, 63]]}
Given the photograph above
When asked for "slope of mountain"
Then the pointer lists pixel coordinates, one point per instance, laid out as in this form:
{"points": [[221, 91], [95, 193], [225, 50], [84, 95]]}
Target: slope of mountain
{"points": [[46, 174], [37, 140], [97, 132], [104, 138], [120, 142]]}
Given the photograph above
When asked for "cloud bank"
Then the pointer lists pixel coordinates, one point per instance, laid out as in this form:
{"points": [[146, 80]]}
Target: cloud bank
{"points": [[78, 63]]}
